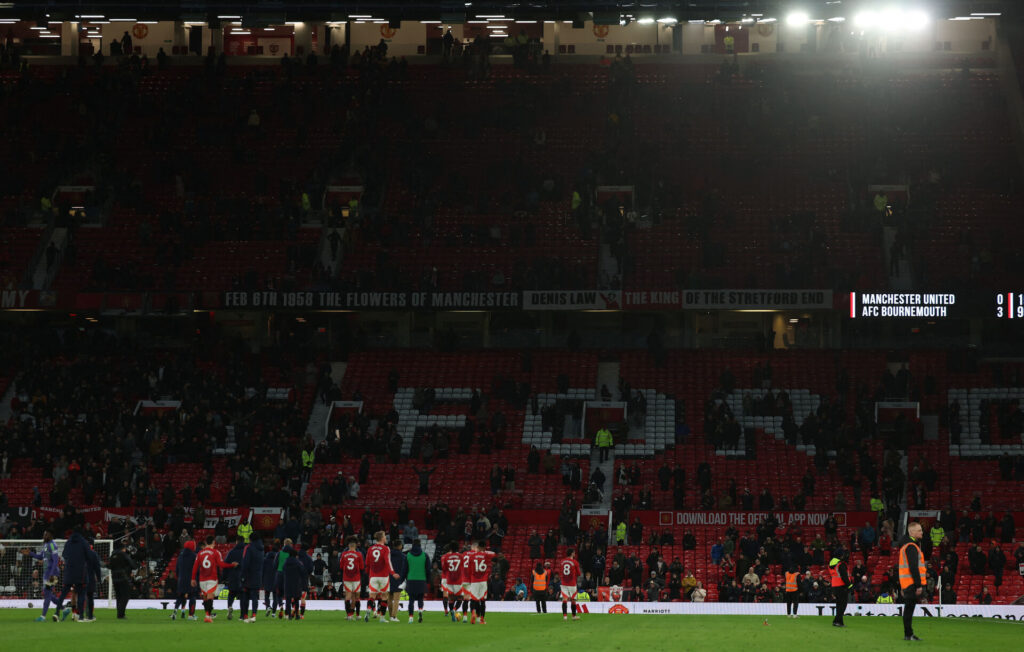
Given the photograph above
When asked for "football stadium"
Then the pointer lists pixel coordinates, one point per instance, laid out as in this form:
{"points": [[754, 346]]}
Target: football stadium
{"points": [[481, 325]]}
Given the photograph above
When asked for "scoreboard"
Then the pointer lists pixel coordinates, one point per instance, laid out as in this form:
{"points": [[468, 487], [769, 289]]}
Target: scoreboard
{"points": [[1009, 305], [903, 305], [935, 306]]}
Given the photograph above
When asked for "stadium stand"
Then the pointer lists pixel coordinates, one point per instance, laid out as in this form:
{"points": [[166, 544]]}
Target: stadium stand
{"points": [[757, 178]]}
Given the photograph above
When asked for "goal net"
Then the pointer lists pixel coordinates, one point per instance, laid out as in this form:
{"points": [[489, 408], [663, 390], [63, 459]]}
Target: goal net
{"points": [[21, 576]]}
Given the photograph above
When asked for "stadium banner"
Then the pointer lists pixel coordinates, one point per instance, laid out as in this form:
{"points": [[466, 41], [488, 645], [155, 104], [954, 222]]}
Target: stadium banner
{"points": [[231, 515], [652, 300], [595, 518], [91, 515], [757, 299], [572, 300], [998, 612], [363, 300], [265, 518], [156, 408], [27, 299], [741, 518], [128, 513]]}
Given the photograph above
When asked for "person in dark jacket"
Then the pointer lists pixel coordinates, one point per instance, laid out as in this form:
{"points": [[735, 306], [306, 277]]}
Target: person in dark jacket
{"points": [[121, 574], [269, 579], [75, 567], [280, 560], [252, 578], [92, 581], [292, 571], [183, 570], [307, 570], [911, 576], [233, 575], [401, 568], [997, 562]]}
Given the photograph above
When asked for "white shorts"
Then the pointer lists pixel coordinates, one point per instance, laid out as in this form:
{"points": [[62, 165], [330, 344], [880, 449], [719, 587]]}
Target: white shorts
{"points": [[568, 592], [208, 588], [476, 590], [379, 585], [352, 587], [450, 591]]}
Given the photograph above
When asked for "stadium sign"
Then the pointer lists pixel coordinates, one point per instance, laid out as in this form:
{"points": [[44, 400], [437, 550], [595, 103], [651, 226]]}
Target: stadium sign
{"points": [[369, 300], [757, 299], [572, 300], [653, 300], [740, 518], [26, 299], [762, 609]]}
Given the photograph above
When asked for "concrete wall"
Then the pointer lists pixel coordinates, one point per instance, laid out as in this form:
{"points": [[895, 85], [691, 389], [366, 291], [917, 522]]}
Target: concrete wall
{"points": [[593, 39], [149, 37], [403, 41]]}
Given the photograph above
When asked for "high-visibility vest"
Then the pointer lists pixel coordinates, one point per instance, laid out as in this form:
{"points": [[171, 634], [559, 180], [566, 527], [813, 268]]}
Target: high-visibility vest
{"points": [[884, 599], [307, 459], [791, 582], [877, 505], [937, 533], [417, 567], [540, 580], [620, 531], [245, 531], [837, 579], [582, 596], [905, 579]]}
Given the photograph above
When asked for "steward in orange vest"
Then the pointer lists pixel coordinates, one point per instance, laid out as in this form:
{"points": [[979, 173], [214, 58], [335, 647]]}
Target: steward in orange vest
{"points": [[840, 585], [539, 586], [913, 575], [792, 592]]}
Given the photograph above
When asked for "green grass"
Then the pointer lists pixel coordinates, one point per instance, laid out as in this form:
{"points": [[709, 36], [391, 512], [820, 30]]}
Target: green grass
{"points": [[146, 630]]}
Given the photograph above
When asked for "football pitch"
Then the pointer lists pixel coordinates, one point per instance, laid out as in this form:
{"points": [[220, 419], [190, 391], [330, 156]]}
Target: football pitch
{"points": [[146, 630]]}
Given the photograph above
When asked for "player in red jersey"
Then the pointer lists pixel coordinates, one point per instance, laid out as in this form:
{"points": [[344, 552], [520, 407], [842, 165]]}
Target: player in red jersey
{"points": [[451, 580], [380, 571], [568, 573], [466, 558], [479, 571], [207, 563], [352, 577]]}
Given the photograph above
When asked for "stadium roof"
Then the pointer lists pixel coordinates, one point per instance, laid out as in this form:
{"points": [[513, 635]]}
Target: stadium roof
{"points": [[536, 9]]}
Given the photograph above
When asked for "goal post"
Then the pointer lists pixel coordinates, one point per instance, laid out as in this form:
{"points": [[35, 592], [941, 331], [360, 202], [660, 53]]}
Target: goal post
{"points": [[21, 576]]}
